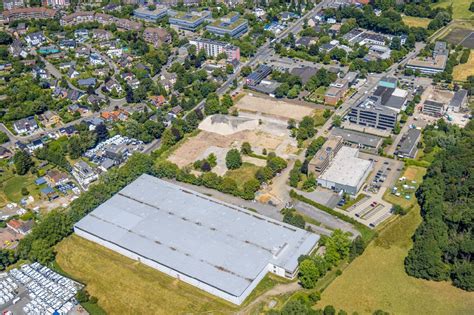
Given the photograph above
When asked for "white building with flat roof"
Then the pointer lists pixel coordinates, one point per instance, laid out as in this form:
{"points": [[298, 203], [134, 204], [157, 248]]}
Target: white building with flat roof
{"points": [[346, 172], [217, 247]]}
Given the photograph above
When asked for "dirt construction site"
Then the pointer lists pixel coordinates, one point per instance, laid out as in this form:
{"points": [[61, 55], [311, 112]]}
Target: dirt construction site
{"points": [[264, 128]]}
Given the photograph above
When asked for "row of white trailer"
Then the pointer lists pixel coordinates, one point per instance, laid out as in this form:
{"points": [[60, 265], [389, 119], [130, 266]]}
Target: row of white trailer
{"points": [[48, 291], [8, 290]]}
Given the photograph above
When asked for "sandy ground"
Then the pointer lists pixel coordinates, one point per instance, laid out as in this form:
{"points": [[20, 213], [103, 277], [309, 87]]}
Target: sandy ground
{"points": [[271, 107], [269, 134]]}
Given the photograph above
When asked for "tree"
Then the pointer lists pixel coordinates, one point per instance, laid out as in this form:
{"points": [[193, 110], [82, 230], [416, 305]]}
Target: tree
{"points": [[337, 121], [357, 248], [101, 132], [246, 70], [329, 310], [250, 188], [3, 137], [246, 148], [22, 162], [233, 160], [314, 146], [308, 274], [41, 251]]}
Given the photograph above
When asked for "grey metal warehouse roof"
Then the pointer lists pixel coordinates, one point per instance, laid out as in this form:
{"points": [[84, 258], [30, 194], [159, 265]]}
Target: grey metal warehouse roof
{"points": [[217, 243]]}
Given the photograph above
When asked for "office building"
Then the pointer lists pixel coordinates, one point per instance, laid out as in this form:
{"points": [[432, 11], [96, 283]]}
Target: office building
{"points": [[231, 24], [189, 21], [408, 145], [220, 248], [372, 113], [431, 65], [144, 13], [214, 48], [321, 159], [347, 172]]}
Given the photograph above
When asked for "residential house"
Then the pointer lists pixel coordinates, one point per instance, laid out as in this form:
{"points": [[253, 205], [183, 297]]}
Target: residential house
{"points": [[96, 59], [35, 39], [156, 36], [5, 153], [83, 52], [49, 118], [72, 73], [115, 115], [84, 174], [20, 226], [25, 125], [55, 177], [18, 49], [157, 100], [85, 83], [112, 84]]}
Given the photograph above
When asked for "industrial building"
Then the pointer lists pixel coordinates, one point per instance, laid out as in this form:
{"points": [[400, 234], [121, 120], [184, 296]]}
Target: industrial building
{"points": [[321, 159], [231, 24], [434, 108], [217, 247], [371, 113], [363, 141], [347, 172], [408, 145]]}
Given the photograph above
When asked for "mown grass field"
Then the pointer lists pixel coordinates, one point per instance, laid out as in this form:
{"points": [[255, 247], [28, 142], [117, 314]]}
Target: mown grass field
{"points": [[124, 286], [461, 72], [413, 21], [377, 280], [460, 8]]}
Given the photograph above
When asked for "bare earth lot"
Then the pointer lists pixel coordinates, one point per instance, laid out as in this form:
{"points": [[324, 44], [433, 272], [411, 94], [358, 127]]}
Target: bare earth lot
{"points": [[272, 107]]}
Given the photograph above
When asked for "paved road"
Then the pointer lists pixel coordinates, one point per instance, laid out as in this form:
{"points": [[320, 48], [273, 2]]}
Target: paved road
{"points": [[325, 218]]}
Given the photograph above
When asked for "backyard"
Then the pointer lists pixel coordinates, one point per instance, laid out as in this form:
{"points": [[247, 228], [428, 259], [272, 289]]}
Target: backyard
{"points": [[377, 279]]}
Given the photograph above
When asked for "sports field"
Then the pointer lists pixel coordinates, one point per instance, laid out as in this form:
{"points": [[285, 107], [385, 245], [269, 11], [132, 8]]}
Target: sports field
{"points": [[461, 72], [377, 280], [413, 21], [124, 286]]}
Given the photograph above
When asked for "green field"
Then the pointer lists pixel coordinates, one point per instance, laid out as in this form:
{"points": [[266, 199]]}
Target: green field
{"points": [[462, 71], [377, 280], [124, 286], [244, 173], [413, 21], [460, 8], [412, 173]]}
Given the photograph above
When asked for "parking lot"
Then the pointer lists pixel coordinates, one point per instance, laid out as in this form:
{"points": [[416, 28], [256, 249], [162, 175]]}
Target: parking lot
{"points": [[373, 210], [35, 289]]}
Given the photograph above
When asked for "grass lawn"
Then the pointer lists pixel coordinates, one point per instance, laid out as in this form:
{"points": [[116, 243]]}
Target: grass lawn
{"points": [[319, 119], [377, 280], [413, 21], [12, 187], [461, 72], [412, 173], [244, 173], [124, 286], [317, 96], [460, 8]]}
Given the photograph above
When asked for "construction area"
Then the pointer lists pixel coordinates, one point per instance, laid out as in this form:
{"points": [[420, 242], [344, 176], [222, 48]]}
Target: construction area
{"points": [[265, 128]]}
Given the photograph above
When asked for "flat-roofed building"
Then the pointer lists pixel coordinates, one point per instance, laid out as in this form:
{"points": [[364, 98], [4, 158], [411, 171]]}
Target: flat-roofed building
{"points": [[434, 108], [144, 13], [408, 145], [258, 75], [363, 141], [321, 159], [431, 65], [217, 247], [213, 48], [336, 91], [371, 113], [189, 21], [347, 172], [231, 24]]}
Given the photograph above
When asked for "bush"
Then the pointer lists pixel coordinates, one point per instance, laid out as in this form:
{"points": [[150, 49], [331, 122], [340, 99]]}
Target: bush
{"points": [[233, 160]]}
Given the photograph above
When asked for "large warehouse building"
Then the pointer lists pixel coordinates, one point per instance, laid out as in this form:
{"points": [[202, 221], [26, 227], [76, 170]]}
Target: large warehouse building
{"points": [[347, 172], [217, 247]]}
